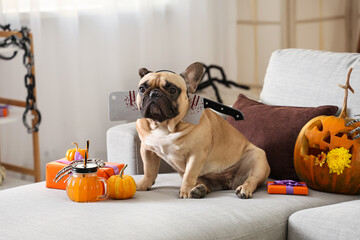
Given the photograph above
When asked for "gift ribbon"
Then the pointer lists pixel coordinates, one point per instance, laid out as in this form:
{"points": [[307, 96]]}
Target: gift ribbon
{"points": [[116, 169], [63, 161], [289, 184]]}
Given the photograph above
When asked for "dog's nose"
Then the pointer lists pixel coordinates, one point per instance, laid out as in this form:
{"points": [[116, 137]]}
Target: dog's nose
{"points": [[155, 93]]}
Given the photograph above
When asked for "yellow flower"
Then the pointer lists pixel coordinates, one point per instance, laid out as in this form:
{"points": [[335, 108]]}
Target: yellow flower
{"points": [[338, 159], [320, 159]]}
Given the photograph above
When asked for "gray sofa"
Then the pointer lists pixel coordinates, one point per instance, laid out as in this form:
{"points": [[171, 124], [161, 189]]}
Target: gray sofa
{"points": [[294, 77]]}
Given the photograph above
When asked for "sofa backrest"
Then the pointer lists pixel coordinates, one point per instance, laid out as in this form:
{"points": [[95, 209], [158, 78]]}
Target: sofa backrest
{"points": [[310, 78]]}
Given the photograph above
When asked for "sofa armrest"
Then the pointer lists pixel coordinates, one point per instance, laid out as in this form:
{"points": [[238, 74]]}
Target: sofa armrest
{"points": [[123, 146]]}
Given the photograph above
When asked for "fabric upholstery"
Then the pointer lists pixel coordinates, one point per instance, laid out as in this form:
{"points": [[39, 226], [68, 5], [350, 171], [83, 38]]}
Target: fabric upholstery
{"points": [[339, 221], [123, 146], [309, 78], [36, 212], [275, 130]]}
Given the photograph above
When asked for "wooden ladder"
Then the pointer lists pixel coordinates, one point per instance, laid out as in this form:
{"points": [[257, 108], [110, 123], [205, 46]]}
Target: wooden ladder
{"points": [[35, 171]]}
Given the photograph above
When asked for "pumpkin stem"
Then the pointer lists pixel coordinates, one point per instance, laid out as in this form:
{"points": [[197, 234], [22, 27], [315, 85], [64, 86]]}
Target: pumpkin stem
{"points": [[344, 113], [76, 145], [122, 171]]}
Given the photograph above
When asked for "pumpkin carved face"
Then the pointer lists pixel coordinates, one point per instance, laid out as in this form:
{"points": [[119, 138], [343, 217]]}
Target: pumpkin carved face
{"points": [[326, 155], [317, 138]]}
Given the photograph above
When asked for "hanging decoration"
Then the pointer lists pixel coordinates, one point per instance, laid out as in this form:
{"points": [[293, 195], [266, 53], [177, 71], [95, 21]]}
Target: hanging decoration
{"points": [[24, 43]]}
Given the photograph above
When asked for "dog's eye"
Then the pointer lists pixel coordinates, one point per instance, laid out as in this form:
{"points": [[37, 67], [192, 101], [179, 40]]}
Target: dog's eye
{"points": [[141, 89], [172, 90]]}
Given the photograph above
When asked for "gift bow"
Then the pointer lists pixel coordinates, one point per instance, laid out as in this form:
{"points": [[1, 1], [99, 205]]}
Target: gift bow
{"points": [[116, 169], [289, 184], [63, 161]]}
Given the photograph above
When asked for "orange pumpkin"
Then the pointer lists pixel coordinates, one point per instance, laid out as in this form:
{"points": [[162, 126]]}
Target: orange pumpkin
{"points": [[70, 154], [121, 187], [324, 136]]}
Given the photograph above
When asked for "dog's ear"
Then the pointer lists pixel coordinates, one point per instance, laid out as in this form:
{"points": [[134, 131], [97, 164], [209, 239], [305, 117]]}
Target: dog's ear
{"points": [[143, 72], [192, 76]]}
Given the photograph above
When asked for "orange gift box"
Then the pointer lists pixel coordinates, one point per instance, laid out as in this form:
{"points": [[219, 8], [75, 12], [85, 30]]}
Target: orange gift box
{"points": [[52, 168], [4, 111], [287, 187]]}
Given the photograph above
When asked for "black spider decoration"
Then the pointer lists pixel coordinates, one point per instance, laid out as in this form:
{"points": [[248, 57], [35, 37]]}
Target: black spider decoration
{"points": [[207, 80]]}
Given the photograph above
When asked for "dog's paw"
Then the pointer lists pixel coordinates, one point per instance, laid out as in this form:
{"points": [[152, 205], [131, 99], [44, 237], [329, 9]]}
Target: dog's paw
{"points": [[185, 192], [198, 191], [143, 185], [243, 192]]}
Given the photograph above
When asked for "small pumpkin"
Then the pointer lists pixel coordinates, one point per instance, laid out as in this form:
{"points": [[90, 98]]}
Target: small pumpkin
{"points": [[71, 153], [121, 186], [326, 156]]}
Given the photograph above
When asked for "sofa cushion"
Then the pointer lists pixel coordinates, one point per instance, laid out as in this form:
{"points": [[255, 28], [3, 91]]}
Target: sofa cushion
{"points": [[36, 212], [275, 129], [309, 78], [338, 221]]}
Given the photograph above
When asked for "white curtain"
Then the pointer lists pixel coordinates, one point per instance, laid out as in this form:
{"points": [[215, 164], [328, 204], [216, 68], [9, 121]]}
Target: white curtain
{"points": [[86, 49]]}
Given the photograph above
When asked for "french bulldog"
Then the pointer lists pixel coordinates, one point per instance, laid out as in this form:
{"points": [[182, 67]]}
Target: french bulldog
{"points": [[209, 156]]}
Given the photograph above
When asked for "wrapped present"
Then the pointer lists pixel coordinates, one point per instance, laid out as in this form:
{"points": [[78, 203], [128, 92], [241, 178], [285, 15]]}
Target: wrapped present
{"points": [[4, 110], [287, 187], [54, 167], [110, 169]]}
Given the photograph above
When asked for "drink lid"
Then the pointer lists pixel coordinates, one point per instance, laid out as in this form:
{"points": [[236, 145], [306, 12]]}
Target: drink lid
{"points": [[88, 168]]}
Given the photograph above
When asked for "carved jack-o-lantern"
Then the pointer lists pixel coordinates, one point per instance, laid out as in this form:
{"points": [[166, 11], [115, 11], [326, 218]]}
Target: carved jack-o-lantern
{"points": [[326, 155]]}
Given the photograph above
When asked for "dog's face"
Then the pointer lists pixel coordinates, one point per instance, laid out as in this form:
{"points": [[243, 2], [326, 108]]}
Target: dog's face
{"points": [[163, 95]]}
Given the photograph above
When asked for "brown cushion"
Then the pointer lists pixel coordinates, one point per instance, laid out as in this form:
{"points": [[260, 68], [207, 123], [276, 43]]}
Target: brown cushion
{"points": [[275, 129]]}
